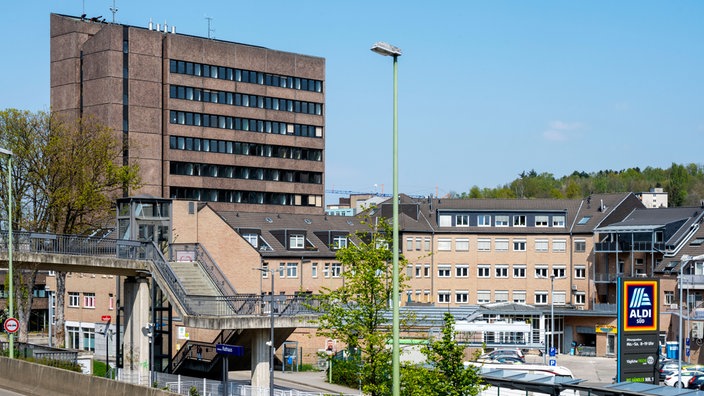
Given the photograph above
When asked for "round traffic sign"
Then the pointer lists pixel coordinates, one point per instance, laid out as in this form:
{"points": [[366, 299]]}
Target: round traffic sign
{"points": [[12, 325]]}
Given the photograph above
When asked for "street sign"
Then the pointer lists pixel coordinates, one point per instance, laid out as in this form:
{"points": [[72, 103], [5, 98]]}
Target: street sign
{"points": [[106, 318], [235, 350], [12, 325], [553, 362], [553, 351]]}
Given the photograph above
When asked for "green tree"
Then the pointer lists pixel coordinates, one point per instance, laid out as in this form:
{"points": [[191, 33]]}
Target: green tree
{"points": [[679, 182], [355, 312], [66, 175], [445, 373]]}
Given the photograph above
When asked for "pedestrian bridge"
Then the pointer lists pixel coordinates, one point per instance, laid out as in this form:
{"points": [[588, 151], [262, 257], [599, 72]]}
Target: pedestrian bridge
{"points": [[240, 317]]}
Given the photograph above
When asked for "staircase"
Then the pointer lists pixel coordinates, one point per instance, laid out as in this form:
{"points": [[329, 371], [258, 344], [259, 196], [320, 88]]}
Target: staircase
{"points": [[194, 280]]}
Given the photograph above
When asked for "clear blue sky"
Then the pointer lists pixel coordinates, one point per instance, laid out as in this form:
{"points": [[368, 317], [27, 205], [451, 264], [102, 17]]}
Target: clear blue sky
{"points": [[486, 88]]}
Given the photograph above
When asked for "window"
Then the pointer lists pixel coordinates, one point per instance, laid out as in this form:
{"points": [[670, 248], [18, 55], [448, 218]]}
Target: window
{"points": [[558, 271], [484, 245], [462, 220], [519, 221], [296, 241], [462, 296], [88, 339], [409, 244], [326, 270], [74, 336], [443, 271], [74, 299], [483, 296], [558, 221], [580, 272], [292, 270], [584, 220], [426, 271], [314, 270], [519, 296], [541, 245], [501, 271], [501, 296], [444, 244], [418, 243], [580, 246], [443, 296], [88, 300], [426, 244], [253, 239], [559, 245], [519, 271], [541, 298], [501, 245], [670, 298], [559, 298], [461, 271], [444, 220], [419, 271], [541, 221], [483, 271], [484, 220], [339, 242], [461, 245], [541, 271], [336, 270], [111, 302], [501, 221], [409, 270], [265, 270], [580, 298], [519, 245]]}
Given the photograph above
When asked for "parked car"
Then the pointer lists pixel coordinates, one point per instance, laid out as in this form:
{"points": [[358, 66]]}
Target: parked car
{"points": [[696, 382], [681, 381], [503, 353]]}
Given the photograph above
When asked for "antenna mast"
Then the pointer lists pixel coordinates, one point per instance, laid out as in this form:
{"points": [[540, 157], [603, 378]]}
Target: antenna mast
{"points": [[210, 30], [113, 9]]}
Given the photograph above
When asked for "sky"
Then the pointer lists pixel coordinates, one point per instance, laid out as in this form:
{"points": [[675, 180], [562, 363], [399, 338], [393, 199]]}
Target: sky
{"points": [[486, 89]]}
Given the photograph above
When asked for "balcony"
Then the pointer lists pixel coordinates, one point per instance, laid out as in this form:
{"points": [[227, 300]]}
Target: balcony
{"points": [[692, 282], [606, 278], [636, 246]]}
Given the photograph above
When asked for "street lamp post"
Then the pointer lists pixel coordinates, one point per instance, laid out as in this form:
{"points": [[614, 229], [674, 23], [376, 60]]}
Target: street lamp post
{"points": [[271, 335], [552, 310], [10, 297], [51, 305], [386, 49], [686, 259]]}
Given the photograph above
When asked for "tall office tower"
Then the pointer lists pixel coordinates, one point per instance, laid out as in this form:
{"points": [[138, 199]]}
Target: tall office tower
{"points": [[239, 126]]}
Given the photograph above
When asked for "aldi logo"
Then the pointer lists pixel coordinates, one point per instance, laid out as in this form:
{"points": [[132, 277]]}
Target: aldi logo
{"points": [[640, 302]]}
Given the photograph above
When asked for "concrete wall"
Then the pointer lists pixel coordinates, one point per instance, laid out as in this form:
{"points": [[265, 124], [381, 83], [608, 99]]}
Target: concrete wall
{"points": [[35, 379]]}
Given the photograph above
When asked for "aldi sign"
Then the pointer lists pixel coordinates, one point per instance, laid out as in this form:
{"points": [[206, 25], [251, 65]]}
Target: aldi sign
{"points": [[640, 305]]}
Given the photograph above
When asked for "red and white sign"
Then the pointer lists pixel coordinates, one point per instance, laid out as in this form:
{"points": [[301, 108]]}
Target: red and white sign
{"points": [[12, 325], [106, 318]]}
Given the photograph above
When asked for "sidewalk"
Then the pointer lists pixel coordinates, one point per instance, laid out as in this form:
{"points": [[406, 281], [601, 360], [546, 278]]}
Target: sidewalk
{"points": [[588, 368], [311, 381]]}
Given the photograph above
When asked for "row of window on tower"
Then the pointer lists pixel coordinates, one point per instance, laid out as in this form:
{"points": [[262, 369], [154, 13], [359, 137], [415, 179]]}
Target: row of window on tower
{"points": [[244, 148], [244, 172], [243, 124], [245, 197]]}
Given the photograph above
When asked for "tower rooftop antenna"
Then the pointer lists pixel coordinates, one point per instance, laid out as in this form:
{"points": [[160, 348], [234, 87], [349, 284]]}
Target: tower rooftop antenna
{"points": [[210, 30], [113, 9]]}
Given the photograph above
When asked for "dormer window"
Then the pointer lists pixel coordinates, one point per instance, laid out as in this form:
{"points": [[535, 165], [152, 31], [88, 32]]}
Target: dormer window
{"points": [[339, 242], [296, 241], [252, 238], [519, 221]]}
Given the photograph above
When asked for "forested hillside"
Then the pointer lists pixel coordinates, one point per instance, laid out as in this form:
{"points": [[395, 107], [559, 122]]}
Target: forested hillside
{"points": [[683, 183]]}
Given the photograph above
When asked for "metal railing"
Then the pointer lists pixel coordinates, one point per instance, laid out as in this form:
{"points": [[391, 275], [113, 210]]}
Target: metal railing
{"points": [[208, 264], [82, 245], [255, 305]]}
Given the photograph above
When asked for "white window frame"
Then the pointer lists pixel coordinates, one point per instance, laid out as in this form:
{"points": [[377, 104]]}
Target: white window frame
{"points": [[542, 245], [541, 271], [519, 220], [339, 242], [484, 271], [443, 296], [484, 245], [444, 244], [419, 271], [426, 244], [252, 238], [292, 270], [409, 244], [296, 241], [542, 220], [516, 296], [462, 271], [559, 271], [483, 220], [462, 245], [558, 221], [500, 296], [501, 271], [462, 296], [74, 299], [336, 270], [483, 296], [519, 245], [88, 300], [580, 245], [580, 272], [580, 298], [559, 245], [444, 271], [462, 220], [519, 271], [501, 221], [314, 270], [559, 298], [501, 245], [419, 241], [540, 297]]}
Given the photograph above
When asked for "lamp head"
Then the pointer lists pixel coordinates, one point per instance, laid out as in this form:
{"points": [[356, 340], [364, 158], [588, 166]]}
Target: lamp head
{"points": [[386, 49]]}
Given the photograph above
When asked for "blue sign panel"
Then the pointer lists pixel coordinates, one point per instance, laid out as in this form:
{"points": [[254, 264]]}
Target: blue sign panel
{"points": [[553, 351], [235, 350], [640, 302], [553, 362]]}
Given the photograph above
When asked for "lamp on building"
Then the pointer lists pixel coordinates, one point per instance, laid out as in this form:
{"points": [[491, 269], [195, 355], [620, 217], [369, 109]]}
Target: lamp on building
{"points": [[272, 347], [386, 49], [11, 291]]}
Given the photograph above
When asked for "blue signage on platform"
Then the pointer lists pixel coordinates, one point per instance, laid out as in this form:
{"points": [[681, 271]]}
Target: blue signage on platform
{"points": [[235, 350]]}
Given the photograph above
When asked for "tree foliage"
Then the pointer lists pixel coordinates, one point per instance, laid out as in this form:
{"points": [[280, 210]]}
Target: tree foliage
{"points": [[445, 373], [354, 313], [684, 183], [66, 174]]}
